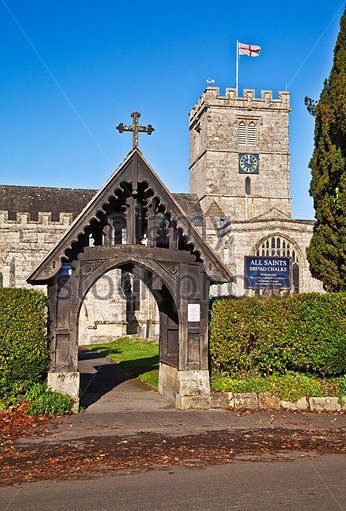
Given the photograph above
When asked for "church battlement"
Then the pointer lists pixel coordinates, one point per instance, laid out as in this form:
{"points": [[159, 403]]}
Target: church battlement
{"points": [[41, 206], [43, 218], [212, 98]]}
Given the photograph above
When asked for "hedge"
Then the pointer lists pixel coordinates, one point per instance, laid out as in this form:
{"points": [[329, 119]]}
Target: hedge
{"points": [[23, 339], [304, 333]]}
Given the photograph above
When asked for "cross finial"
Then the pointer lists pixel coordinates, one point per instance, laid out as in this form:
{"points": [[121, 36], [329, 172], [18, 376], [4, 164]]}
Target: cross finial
{"points": [[135, 128]]}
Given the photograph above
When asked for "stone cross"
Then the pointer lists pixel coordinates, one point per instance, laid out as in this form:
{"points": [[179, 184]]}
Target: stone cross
{"points": [[135, 128]]}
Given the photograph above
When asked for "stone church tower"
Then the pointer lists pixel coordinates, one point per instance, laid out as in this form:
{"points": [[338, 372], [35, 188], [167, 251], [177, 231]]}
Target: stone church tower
{"points": [[228, 134], [240, 172]]}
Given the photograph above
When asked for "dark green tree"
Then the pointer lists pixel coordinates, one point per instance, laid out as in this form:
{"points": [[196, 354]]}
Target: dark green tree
{"points": [[327, 250]]}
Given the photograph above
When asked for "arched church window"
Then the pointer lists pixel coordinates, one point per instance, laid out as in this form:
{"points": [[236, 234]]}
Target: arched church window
{"points": [[131, 287], [242, 133], [248, 186], [278, 246]]}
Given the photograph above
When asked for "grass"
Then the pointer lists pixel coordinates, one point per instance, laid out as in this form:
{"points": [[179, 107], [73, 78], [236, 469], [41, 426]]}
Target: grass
{"points": [[139, 358], [290, 386]]}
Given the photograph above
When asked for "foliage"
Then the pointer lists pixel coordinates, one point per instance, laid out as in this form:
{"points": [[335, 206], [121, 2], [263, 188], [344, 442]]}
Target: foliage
{"points": [[290, 386], [342, 384], [310, 105], [262, 336], [138, 358], [23, 340], [327, 250], [43, 401], [151, 378], [39, 399]]}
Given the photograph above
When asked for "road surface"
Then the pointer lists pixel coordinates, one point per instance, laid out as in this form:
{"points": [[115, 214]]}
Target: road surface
{"points": [[306, 484]]}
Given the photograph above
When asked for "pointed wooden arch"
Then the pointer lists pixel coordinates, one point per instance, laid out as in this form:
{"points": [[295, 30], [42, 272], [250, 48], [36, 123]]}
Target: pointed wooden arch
{"points": [[135, 222]]}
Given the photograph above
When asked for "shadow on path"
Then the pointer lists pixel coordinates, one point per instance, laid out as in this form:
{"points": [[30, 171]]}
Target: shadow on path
{"points": [[100, 375]]}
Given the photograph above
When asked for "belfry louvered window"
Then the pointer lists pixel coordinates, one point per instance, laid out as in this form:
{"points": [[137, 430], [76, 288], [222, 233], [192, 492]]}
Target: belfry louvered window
{"points": [[252, 133], [247, 133], [242, 133]]}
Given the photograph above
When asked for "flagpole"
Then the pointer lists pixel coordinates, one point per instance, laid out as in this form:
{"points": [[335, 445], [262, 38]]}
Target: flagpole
{"points": [[237, 68]]}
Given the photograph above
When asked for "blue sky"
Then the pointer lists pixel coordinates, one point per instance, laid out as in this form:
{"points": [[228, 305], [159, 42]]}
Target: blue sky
{"points": [[72, 70]]}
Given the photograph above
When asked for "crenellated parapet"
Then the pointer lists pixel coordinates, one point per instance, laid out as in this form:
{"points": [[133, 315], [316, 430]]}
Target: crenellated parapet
{"points": [[248, 101], [43, 218], [26, 233]]}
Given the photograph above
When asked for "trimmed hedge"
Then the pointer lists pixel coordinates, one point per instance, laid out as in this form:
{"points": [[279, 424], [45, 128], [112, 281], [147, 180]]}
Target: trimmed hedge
{"points": [[304, 333], [23, 339]]}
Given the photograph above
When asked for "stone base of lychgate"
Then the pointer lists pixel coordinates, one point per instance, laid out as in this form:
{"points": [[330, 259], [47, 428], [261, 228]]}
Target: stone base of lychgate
{"points": [[185, 389], [66, 383]]}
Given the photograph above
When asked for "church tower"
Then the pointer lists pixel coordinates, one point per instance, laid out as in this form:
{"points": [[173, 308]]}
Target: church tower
{"points": [[239, 155]]}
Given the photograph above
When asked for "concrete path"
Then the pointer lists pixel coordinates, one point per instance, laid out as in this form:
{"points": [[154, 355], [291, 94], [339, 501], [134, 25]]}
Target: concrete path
{"points": [[117, 406], [107, 389]]}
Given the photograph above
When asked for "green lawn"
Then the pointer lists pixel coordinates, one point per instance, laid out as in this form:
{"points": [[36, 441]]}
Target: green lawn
{"points": [[139, 358]]}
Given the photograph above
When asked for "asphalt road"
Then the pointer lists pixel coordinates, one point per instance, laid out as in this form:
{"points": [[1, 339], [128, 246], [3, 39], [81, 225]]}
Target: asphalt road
{"points": [[305, 484], [128, 427]]}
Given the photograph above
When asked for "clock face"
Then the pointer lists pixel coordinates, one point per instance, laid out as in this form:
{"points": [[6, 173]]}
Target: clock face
{"points": [[248, 163]]}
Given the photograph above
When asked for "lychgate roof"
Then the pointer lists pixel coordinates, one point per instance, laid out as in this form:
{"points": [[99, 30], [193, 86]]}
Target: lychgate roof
{"points": [[134, 169]]}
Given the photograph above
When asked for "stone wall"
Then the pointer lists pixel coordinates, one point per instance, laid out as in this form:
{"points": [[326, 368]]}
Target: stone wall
{"points": [[106, 313], [24, 243], [241, 239]]}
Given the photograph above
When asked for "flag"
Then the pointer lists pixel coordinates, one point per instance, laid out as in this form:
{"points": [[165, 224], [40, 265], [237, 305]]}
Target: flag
{"points": [[250, 50]]}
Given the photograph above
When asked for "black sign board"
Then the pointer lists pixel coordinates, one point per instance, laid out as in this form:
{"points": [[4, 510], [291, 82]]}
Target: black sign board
{"points": [[267, 272]]}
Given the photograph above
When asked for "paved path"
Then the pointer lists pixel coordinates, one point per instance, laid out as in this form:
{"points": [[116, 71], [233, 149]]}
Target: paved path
{"points": [[107, 389], [316, 484], [116, 406]]}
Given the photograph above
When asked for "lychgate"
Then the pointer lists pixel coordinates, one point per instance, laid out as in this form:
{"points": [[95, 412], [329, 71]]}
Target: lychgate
{"points": [[134, 223]]}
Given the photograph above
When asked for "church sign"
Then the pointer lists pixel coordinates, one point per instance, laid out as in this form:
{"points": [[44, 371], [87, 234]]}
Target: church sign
{"points": [[267, 272]]}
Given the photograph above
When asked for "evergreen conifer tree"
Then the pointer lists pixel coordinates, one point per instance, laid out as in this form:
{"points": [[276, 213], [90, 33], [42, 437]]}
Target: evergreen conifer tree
{"points": [[327, 250]]}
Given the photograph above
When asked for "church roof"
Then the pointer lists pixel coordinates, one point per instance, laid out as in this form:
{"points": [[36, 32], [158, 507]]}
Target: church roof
{"points": [[35, 199], [134, 168]]}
